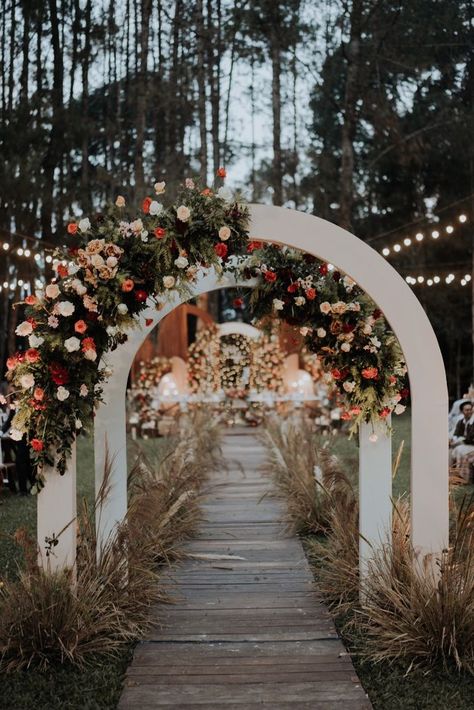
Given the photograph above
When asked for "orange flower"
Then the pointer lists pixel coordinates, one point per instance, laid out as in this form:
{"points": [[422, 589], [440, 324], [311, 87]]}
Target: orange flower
{"points": [[38, 394], [221, 172], [370, 373], [88, 344], [31, 300], [72, 228], [32, 355], [310, 294], [128, 285], [12, 363], [159, 232], [146, 204], [252, 246], [206, 192], [62, 271], [37, 444], [270, 276], [80, 326]]}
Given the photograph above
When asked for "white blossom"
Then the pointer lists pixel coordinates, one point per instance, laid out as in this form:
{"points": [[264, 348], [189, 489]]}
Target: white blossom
{"points": [[84, 224], [349, 386], [304, 331], [225, 193], [27, 381], [62, 393], [183, 213], [122, 308], [90, 354], [181, 262], [321, 333], [24, 329], [399, 409], [325, 307], [168, 281], [66, 308], [159, 187], [345, 347], [300, 300], [278, 305], [52, 291], [72, 344], [156, 208], [224, 233], [189, 183], [83, 391], [78, 424]]}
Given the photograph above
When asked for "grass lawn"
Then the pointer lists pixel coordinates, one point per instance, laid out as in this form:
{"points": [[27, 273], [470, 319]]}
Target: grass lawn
{"points": [[98, 686]]}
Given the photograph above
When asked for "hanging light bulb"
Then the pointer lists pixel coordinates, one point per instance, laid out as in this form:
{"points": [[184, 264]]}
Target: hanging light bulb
{"points": [[462, 218], [430, 282], [27, 252], [420, 279], [6, 246], [386, 251], [435, 234], [419, 237], [450, 229], [396, 247], [407, 241], [436, 279], [19, 251]]}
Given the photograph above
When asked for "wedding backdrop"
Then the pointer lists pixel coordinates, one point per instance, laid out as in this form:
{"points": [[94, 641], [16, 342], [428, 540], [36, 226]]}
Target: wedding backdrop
{"points": [[237, 288]]}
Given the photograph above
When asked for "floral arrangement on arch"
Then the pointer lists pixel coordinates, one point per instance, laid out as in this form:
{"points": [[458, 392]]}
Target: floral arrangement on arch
{"points": [[121, 261], [339, 322], [141, 393], [266, 370], [203, 361]]}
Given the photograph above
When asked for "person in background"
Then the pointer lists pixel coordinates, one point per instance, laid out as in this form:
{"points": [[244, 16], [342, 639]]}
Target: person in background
{"points": [[462, 440], [24, 469]]}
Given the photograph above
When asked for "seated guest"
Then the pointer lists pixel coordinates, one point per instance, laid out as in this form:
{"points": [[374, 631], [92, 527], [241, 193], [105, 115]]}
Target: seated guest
{"points": [[462, 440]]}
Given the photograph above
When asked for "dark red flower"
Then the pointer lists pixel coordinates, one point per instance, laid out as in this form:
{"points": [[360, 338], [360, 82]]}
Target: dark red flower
{"points": [[159, 232], [270, 276], [336, 374], [221, 250], [377, 314], [32, 322], [32, 355], [336, 276], [62, 271], [323, 269], [293, 287], [238, 302], [59, 374], [37, 444], [347, 327], [72, 228], [404, 392], [140, 296], [221, 172], [252, 246], [310, 294]]}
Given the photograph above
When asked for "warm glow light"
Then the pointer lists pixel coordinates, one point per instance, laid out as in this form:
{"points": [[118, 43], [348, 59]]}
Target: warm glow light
{"points": [[430, 282], [396, 247], [449, 229], [467, 277], [435, 234], [49, 259], [436, 279], [462, 218], [407, 241], [19, 251], [386, 251], [27, 252], [6, 246], [419, 237], [420, 279], [463, 282]]}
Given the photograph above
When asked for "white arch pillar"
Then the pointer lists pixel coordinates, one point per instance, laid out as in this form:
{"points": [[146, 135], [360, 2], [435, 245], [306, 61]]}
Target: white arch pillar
{"points": [[429, 460]]}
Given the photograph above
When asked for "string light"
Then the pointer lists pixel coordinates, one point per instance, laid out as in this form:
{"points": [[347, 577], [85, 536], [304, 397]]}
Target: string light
{"points": [[419, 236], [446, 280]]}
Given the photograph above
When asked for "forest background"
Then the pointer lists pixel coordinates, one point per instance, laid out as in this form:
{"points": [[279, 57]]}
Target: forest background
{"points": [[358, 111]]}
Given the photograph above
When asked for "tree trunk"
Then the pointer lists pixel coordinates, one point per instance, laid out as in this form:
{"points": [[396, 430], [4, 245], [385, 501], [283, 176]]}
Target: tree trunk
{"points": [[346, 190], [201, 80], [141, 97], [276, 113], [85, 191]]}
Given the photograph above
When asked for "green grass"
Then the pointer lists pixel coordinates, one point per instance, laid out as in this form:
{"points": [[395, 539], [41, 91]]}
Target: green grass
{"points": [[95, 687]]}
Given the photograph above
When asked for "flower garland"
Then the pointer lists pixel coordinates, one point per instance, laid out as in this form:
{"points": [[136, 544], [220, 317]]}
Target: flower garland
{"points": [[119, 262], [203, 359], [266, 369], [148, 378], [338, 322]]}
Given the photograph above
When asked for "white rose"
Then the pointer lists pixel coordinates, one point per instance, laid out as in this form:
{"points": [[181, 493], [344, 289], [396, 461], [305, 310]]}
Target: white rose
{"points": [[224, 233], [277, 304], [52, 291], [78, 424], [84, 224], [159, 187], [325, 307], [78, 287], [72, 344], [168, 281], [90, 354], [112, 262], [27, 381], [339, 308], [181, 262], [348, 283], [136, 226], [345, 347], [155, 208], [144, 236], [83, 391], [16, 434], [399, 409], [225, 193], [367, 329], [304, 331], [189, 182], [35, 341], [349, 386], [66, 308], [122, 308], [375, 342], [72, 268], [62, 393], [183, 213], [24, 329], [321, 333], [300, 300], [97, 260]]}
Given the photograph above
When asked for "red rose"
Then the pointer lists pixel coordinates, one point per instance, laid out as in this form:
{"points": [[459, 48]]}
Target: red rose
{"points": [[354, 411], [377, 314], [336, 374], [62, 271], [31, 300], [370, 373], [206, 192], [72, 228], [323, 269], [404, 392], [32, 355], [32, 322], [384, 412], [80, 326], [140, 296], [392, 379], [221, 250], [146, 204], [345, 416], [347, 328], [38, 394], [310, 294], [159, 232], [252, 246], [238, 302], [292, 287], [59, 374], [270, 276], [37, 444], [221, 172], [88, 344], [128, 285]]}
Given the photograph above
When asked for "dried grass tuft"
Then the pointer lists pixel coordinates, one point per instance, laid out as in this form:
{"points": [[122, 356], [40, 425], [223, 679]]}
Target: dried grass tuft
{"points": [[48, 618]]}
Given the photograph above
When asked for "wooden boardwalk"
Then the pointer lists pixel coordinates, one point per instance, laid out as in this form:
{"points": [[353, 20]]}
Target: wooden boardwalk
{"points": [[248, 631]]}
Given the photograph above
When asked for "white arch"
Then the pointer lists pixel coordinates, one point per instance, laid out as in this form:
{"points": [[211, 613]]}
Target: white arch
{"points": [[429, 460]]}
